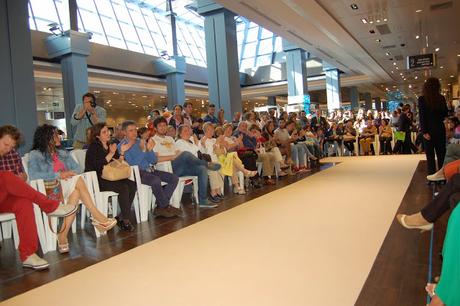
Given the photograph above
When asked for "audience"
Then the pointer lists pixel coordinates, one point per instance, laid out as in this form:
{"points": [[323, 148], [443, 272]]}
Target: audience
{"points": [[48, 162]]}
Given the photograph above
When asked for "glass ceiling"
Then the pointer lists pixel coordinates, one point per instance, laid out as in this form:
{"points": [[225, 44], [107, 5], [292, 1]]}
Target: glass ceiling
{"points": [[143, 26]]}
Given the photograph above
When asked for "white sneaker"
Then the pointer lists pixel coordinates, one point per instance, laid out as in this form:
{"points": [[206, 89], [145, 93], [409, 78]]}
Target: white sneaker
{"points": [[63, 211], [35, 262]]}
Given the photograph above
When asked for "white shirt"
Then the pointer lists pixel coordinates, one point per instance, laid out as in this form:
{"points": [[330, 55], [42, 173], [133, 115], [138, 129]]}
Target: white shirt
{"points": [[187, 146], [208, 148], [164, 146]]}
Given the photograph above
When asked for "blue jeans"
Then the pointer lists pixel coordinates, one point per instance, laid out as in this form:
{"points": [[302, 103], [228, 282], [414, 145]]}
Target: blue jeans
{"points": [[298, 153], [153, 179], [187, 164]]}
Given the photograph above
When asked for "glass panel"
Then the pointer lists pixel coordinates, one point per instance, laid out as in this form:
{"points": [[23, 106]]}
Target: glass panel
{"points": [[247, 63], [250, 50], [264, 60], [252, 34], [31, 19], [111, 28], [116, 42], [253, 25], [134, 47], [278, 44], [63, 11], [266, 34], [44, 13], [266, 46], [91, 22]]}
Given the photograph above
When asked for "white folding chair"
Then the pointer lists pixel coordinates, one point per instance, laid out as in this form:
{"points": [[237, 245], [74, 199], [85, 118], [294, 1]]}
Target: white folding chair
{"points": [[9, 228], [177, 196]]}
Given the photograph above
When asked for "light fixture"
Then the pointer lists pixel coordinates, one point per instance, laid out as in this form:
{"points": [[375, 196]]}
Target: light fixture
{"points": [[387, 54], [442, 67], [392, 71], [417, 37], [415, 77], [418, 11], [354, 6], [397, 68], [55, 29], [437, 49], [451, 76], [458, 55], [364, 20], [394, 63], [385, 19]]}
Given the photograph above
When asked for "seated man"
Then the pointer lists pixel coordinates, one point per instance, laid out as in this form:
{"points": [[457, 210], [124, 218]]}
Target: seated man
{"points": [[183, 163], [16, 197], [140, 154]]}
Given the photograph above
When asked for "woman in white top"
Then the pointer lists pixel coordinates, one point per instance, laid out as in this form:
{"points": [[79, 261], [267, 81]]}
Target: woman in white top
{"points": [[217, 149]]}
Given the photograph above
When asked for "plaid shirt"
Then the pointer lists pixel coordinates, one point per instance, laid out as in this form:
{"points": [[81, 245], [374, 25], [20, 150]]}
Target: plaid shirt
{"points": [[11, 161]]}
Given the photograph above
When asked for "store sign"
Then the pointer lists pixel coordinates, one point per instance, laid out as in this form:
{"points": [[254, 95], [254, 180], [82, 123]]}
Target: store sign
{"points": [[421, 61]]}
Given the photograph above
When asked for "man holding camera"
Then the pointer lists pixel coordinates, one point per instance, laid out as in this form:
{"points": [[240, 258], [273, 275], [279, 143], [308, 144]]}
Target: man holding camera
{"points": [[85, 116]]}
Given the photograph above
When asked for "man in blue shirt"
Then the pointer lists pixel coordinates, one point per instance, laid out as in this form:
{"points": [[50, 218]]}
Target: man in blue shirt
{"points": [[140, 154], [210, 117]]}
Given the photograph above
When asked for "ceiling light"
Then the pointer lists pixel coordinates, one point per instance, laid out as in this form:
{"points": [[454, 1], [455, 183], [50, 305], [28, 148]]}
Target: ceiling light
{"points": [[418, 11], [458, 55], [354, 6], [394, 63], [144, 96], [437, 49], [400, 73], [378, 40], [397, 68], [378, 20], [364, 20], [415, 77], [410, 86], [115, 93], [392, 71], [385, 19], [442, 67], [387, 54], [417, 36]]}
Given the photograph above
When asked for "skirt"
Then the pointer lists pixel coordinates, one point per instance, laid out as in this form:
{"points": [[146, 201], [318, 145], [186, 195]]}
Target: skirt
{"points": [[68, 186]]}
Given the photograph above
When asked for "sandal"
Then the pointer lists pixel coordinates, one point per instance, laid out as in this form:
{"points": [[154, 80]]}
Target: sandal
{"points": [[63, 247], [248, 173]]}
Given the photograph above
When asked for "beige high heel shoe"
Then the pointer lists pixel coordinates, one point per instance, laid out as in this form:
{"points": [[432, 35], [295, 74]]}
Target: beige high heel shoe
{"points": [[423, 227], [104, 227]]}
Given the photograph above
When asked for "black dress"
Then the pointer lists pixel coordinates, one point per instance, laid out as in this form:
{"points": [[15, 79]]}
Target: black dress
{"points": [[432, 122], [126, 189]]}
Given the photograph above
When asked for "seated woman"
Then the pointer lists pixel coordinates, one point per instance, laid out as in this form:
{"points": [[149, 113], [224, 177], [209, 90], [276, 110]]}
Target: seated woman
{"points": [[271, 147], [446, 291], [47, 162], [349, 136], [385, 137], [367, 137], [230, 162], [334, 136], [99, 154]]}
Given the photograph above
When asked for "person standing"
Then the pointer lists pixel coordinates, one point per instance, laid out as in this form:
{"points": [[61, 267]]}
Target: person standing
{"points": [[84, 116], [433, 110], [210, 116]]}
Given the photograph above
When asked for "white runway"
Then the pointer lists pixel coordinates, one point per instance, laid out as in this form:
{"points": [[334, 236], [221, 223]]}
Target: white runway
{"points": [[310, 243]]}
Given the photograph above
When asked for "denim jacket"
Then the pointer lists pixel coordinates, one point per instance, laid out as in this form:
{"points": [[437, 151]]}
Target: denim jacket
{"points": [[41, 166]]}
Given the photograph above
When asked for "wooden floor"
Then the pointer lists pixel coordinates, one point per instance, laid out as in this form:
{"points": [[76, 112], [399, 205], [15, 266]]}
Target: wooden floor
{"points": [[400, 272], [86, 250], [397, 277]]}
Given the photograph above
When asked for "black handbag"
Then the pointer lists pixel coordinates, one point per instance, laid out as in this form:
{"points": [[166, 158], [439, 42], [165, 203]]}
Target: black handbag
{"points": [[204, 156]]}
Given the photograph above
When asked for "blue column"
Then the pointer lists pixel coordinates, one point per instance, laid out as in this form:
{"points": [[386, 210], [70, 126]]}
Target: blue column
{"points": [[18, 104], [71, 48], [378, 104], [334, 99], [221, 56], [296, 71], [174, 69], [368, 100], [271, 101], [354, 98]]}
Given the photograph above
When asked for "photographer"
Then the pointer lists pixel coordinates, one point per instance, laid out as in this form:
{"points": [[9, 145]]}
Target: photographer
{"points": [[85, 116]]}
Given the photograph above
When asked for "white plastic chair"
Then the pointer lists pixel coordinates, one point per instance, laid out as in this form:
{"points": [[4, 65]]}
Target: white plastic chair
{"points": [[177, 196], [101, 197], [9, 228], [144, 199]]}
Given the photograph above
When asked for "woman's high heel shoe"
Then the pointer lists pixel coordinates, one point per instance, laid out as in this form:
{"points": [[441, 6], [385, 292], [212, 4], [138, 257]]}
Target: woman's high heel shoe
{"points": [[248, 173], [423, 228], [104, 227]]}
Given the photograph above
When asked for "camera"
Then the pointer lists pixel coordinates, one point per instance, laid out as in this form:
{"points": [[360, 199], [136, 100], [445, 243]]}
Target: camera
{"points": [[93, 104]]}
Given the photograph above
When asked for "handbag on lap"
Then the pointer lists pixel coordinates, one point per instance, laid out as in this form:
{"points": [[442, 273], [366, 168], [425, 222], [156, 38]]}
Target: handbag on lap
{"points": [[116, 170]]}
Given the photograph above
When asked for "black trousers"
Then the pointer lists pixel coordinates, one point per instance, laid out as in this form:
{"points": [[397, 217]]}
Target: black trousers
{"points": [[350, 145], [437, 144], [126, 190], [447, 198], [385, 145]]}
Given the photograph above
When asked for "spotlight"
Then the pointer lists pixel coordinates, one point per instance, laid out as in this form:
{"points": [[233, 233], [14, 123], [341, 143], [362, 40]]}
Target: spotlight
{"points": [[354, 6], [164, 55], [55, 29]]}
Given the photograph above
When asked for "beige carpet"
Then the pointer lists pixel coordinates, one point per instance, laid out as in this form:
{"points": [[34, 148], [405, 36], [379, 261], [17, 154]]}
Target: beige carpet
{"points": [[311, 243]]}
